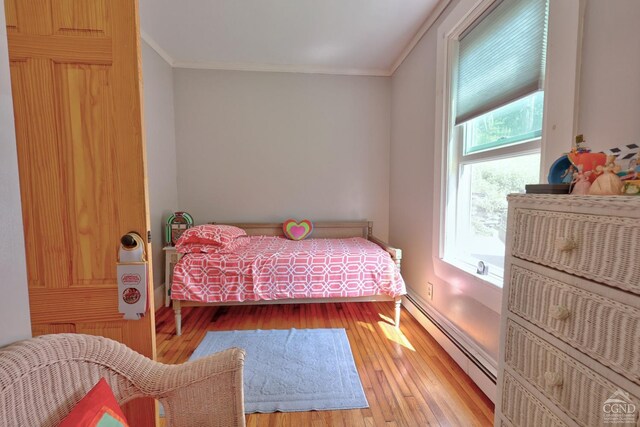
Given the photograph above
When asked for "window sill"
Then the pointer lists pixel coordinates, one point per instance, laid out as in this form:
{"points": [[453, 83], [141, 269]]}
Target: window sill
{"points": [[471, 270], [487, 290]]}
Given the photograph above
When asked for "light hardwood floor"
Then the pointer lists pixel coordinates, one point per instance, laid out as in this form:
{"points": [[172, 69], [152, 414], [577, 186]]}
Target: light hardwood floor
{"points": [[409, 380]]}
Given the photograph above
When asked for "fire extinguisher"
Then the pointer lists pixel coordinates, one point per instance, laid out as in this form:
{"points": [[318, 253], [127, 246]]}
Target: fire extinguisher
{"points": [[132, 270]]}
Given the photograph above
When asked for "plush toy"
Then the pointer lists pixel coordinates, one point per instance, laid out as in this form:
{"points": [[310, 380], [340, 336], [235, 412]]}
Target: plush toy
{"points": [[297, 230], [607, 183]]}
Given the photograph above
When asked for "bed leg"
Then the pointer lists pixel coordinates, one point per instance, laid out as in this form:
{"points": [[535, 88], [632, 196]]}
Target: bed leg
{"points": [[397, 313], [178, 313]]}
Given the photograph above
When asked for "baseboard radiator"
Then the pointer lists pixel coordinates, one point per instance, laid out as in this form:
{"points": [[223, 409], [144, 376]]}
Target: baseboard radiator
{"points": [[481, 369]]}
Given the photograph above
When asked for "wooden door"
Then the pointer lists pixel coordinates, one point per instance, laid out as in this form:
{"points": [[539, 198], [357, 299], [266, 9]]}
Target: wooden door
{"points": [[76, 80]]}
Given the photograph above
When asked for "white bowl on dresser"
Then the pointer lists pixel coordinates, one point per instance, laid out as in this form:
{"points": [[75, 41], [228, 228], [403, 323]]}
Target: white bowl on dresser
{"points": [[570, 332]]}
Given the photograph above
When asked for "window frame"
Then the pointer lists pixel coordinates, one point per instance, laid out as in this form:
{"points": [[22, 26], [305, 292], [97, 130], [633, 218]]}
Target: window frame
{"points": [[559, 120], [453, 212]]}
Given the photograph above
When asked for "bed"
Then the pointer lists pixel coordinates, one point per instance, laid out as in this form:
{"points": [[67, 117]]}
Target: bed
{"points": [[342, 262]]}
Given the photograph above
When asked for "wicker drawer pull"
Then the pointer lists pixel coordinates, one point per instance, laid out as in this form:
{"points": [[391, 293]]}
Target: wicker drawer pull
{"points": [[566, 244], [559, 312], [553, 379]]}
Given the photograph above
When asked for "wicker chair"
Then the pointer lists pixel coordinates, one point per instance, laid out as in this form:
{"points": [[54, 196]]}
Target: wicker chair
{"points": [[41, 380]]}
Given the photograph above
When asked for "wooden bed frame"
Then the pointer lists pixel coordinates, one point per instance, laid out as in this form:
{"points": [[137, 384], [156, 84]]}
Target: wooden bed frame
{"points": [[327, 230]]}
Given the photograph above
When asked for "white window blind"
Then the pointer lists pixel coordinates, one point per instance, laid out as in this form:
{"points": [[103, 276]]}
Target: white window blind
{"points": [[501, 57]]}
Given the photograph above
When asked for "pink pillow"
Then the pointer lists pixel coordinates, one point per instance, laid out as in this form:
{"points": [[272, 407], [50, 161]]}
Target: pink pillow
{"points": [[210, 234], [195, 248], [297, 230]]}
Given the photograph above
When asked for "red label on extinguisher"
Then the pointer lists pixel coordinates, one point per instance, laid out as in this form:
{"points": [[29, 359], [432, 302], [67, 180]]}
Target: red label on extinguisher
{"points": [[130, 279], [131, 295]]}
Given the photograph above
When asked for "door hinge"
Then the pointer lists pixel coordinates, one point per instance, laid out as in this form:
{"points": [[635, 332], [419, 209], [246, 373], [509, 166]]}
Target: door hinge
{"points": [[149, 236]]}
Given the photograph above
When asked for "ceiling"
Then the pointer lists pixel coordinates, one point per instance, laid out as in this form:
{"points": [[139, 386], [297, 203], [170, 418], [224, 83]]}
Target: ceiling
{"points": [[366, 37]]}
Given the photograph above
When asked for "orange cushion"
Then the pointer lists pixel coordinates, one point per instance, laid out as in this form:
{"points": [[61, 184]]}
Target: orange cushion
{"points": [[98, 408]]}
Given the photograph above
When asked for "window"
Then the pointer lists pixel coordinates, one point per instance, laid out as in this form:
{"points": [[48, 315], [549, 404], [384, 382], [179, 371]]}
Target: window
{"points": [[495, 108]]}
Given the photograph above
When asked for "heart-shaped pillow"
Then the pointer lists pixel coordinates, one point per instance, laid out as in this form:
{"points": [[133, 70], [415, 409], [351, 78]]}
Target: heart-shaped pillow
{"points": [[295, 230]]}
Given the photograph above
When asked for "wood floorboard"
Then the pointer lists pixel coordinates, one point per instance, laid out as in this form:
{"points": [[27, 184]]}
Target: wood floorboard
{"points": [[408, 379]]}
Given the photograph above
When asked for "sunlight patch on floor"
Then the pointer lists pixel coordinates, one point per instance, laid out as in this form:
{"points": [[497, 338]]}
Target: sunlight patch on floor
{"points": [[366, 325], [395, 334], [386, 319]]}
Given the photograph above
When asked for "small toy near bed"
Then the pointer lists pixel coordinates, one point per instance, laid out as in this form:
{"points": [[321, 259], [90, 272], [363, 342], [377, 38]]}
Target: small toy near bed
{"points": [[254, 263]]}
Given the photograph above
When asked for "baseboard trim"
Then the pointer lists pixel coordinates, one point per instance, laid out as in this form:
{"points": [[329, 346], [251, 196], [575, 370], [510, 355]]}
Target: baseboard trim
{"points": [[158, 297], [480, 367]]}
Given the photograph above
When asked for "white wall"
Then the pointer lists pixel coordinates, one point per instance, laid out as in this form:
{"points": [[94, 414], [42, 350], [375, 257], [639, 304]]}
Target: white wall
{"points": [[609, 115], [15, 323], [269, 146], [610, 74], [412, 192], [159, 123]]}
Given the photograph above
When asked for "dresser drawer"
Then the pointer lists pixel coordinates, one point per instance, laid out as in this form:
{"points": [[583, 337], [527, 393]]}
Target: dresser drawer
{"points": [[521, 408], [606, 330], [601, 248], [574, 388]]}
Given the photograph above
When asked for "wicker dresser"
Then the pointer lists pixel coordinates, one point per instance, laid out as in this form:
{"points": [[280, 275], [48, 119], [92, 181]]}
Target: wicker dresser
{"points": [[570, 332]]}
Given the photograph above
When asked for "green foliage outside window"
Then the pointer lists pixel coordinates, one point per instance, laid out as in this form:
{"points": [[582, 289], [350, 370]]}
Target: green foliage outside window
{"points": [[490, 183], [519, 121]]}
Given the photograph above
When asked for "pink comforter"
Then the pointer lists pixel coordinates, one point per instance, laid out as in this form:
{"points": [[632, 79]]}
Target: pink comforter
{"points": [[272, 268]]}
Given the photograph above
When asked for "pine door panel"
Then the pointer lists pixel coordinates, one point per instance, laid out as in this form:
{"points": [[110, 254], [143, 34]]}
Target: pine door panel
{"points": [[11, 17], [84, 104], [80, 17], [34, 17], [75, 70], [42, 190]]}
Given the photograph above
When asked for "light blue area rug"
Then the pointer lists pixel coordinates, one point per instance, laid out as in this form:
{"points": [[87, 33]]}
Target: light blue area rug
{"points": [[293, 370]]}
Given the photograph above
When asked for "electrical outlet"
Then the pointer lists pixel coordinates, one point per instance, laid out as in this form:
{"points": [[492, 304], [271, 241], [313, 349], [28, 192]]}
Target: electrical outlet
{"points": [[430, 290]]}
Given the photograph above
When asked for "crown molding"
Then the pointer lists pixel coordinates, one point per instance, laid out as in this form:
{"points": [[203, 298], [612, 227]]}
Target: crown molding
{"points": [[277, 68], [288, 68], [245, 66], [428, 23], [155, 46]]}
